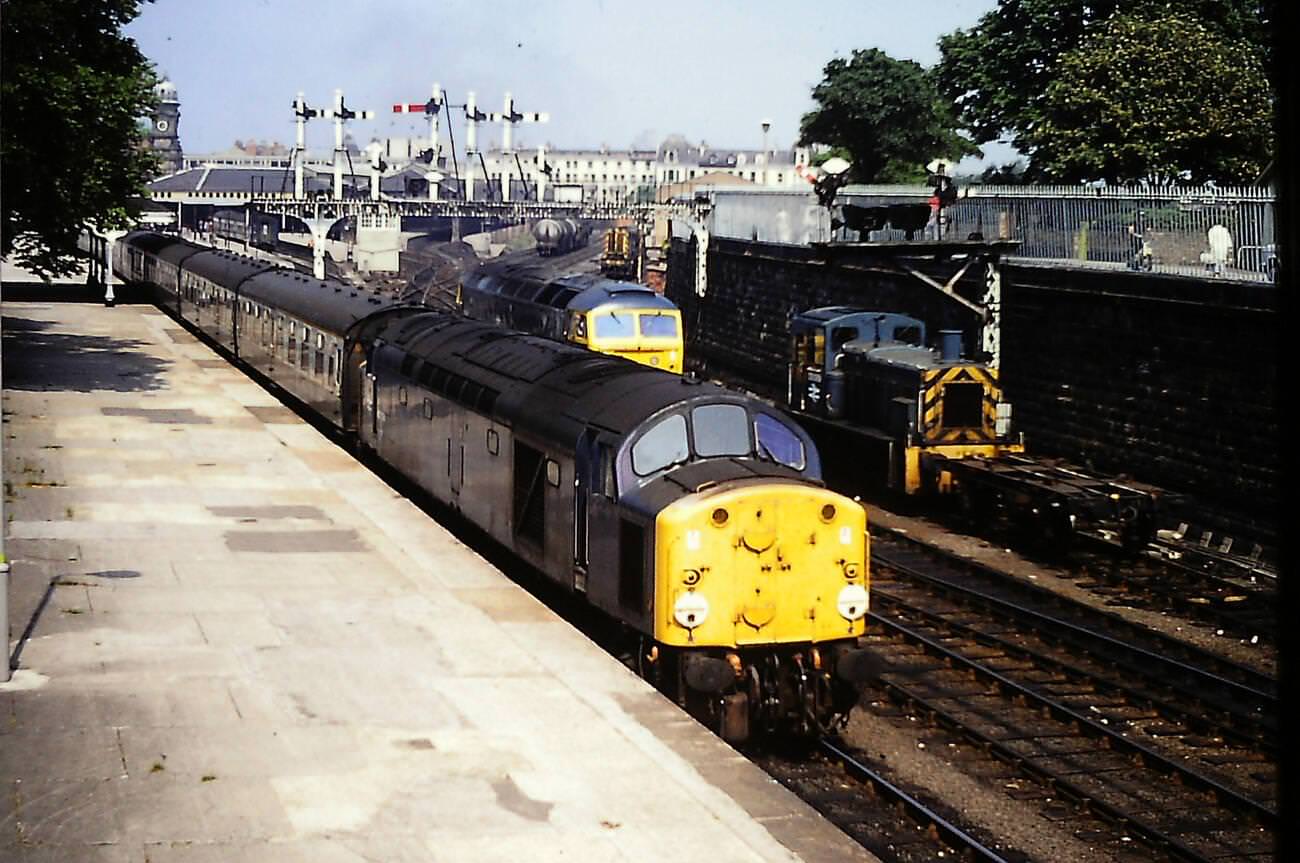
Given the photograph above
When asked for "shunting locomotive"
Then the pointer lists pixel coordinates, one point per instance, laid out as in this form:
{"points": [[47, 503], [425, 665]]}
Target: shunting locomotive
{"points": [[618, 259], [693, 515], [927, 421], [624, 319]]}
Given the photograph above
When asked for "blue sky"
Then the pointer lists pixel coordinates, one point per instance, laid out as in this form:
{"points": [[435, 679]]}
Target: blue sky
{"points": [[615, 73]]}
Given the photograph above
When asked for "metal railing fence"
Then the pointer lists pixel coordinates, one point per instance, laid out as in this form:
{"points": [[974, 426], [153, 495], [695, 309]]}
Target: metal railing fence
{"points": [[1183, 228], [1096, 226]]}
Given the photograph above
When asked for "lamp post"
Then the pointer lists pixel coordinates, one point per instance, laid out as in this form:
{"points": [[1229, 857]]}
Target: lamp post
{"points": [[767, 126]]}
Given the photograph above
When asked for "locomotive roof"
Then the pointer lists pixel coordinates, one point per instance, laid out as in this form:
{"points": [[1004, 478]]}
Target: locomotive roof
{"points": [[598, 291], [223, 267], [552, 388], [899, 354], [330, 305], [577, 293], [845, 315]]}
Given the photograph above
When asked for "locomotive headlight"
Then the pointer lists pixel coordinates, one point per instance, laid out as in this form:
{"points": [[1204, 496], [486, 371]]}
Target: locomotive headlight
{"points": [[846, 535], [691, 609], [852, 602]]}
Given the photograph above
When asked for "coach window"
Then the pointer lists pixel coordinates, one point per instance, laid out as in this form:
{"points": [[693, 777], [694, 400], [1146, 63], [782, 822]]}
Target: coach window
{"points": [[493, 441], [293, 343], [721, 430], [401, 395], [553, 473], [663, 445]]}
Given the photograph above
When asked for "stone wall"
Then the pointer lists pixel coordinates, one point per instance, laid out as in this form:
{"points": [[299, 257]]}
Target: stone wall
{"points": [[1168, 379]]}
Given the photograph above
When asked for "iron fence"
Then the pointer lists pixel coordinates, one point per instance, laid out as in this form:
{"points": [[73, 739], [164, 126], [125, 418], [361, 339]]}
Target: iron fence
{"points": [[1228, 232], [1216, 231]]}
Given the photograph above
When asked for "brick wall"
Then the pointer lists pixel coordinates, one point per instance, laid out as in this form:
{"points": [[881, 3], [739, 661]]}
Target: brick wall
{"points": [[1171, 380]]}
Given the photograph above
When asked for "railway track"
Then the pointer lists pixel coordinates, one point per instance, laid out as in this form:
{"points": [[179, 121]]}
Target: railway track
{"points": [[1238, 599], [1160, 741], [885, 818]]}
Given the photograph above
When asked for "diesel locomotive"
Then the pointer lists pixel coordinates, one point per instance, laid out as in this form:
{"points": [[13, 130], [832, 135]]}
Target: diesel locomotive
{"points": [[620, 318], [692, 515], [927, 421]]}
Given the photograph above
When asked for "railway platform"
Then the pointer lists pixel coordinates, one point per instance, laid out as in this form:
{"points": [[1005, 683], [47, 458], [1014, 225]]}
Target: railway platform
{"points": [[235, 643]]}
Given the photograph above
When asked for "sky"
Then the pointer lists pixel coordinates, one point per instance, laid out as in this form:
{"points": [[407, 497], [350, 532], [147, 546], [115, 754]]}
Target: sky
{"points": [[609, 72]]}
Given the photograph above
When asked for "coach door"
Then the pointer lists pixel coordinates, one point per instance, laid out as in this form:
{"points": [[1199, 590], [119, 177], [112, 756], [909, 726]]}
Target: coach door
{"points": [[585, 470], [456, 452]]}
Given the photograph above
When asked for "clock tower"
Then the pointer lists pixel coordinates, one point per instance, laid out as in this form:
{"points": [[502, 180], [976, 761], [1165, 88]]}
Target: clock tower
{"points": [[164, 129]]}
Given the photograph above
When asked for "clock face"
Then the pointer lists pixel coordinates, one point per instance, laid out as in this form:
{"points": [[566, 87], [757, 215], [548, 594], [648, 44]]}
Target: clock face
{"points": [[163, 125]]}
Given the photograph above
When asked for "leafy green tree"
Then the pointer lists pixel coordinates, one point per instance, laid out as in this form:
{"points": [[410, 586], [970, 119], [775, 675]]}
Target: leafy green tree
{"points": [[71, 96], [1000, 70], [886, 114], [1152, 98]]}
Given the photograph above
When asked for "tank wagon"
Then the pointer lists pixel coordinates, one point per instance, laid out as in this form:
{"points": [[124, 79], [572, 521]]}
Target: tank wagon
{"points": [[620, 318], [692, 515], [559, 236], [927, 422]]}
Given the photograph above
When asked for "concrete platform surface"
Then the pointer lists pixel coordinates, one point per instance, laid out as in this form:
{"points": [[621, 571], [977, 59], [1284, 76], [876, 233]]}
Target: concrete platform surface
{"points": [[242, 645]]}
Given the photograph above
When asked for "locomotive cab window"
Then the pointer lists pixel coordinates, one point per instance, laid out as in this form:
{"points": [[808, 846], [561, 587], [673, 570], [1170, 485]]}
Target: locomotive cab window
{"points": [[778, 443], [614, 325], [840, 336], [721, 430], [911, 335], [663, 445], [658, 326]]}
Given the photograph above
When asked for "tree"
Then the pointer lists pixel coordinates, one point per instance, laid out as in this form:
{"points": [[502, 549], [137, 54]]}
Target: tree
{"points": [[71, 96], [1152, 99], [887, 114], [999, 71]]}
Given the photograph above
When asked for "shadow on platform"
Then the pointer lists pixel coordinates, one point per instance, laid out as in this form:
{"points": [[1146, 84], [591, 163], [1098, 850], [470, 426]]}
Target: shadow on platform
{"points": [[41, 361]]}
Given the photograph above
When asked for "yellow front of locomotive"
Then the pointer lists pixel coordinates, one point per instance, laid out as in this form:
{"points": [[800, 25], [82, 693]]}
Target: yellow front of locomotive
{"points": [[649, 336], [963, 416], [758, 564]]}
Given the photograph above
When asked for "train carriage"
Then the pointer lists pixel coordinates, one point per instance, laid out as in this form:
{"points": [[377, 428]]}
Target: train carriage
{"points": [[145, 257], [209, 285], [294, 329]]}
